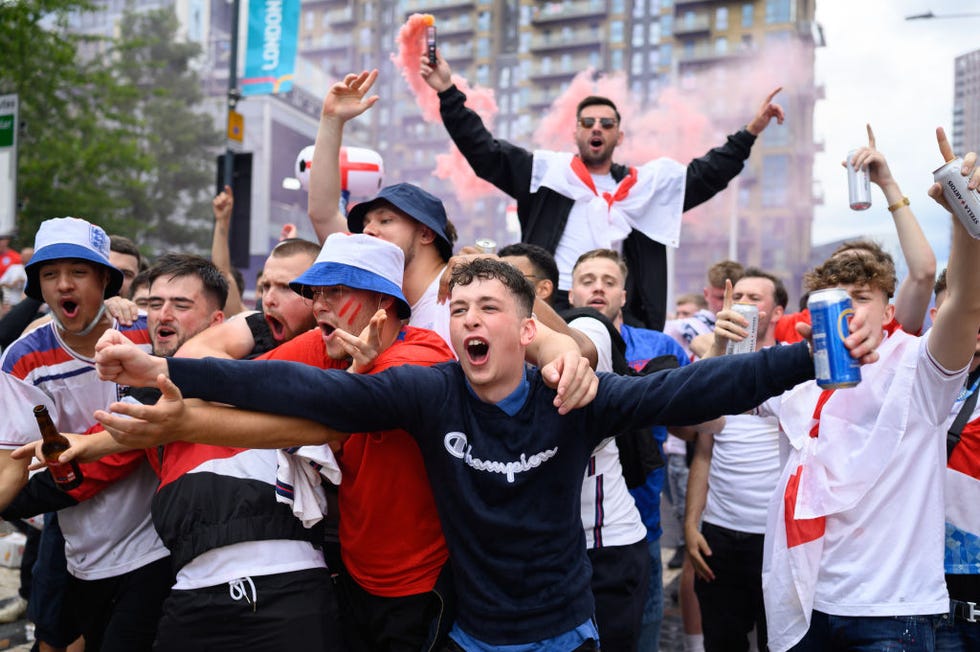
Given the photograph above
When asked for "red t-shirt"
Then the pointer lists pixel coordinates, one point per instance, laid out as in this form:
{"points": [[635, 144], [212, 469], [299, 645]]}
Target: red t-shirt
{"points": [[390, 537]]}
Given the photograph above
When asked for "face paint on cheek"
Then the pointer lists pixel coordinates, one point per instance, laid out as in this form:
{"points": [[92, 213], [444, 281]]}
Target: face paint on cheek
{"points": [[353, 315], [344, 308]]}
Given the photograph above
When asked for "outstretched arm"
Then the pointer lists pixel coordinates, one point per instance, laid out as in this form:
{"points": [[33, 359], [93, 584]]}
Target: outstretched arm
{"points": [[173, 419], [953, 338], [915, 292], [229, 339], [344, 101]]}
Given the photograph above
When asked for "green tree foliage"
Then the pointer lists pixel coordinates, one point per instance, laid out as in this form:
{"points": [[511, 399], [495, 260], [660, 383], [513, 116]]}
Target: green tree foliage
{"points": [[71, 149], [172, 198], [114, 130]]}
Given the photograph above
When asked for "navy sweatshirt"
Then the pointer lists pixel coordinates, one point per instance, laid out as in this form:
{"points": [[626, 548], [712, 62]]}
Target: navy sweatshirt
{"points": [[507, 487]]}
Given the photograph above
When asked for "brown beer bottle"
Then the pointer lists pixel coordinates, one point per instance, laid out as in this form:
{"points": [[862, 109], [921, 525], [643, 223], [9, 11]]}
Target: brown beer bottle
{"points": [[66, 476]]}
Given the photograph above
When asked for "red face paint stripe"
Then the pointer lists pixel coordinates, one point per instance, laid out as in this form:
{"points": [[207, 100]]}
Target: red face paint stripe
{"points": [[356, 312], [344, 308]]}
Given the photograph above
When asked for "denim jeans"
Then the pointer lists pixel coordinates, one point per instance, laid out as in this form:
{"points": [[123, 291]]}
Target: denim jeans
{"points": [[870, 634], [676, 491], [653, 610], [957, 636]]}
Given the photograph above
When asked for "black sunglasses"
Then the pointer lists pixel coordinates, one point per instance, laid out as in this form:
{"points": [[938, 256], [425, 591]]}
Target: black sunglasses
{"points": [[588, 123]]}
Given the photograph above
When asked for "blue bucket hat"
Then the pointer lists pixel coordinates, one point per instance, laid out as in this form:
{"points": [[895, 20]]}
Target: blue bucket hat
{"points": [[421, 206], [70, 237], [360, 262]]}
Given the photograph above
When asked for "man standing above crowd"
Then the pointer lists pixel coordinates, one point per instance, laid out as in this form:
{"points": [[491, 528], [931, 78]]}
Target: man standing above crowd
{"points": [[573, 204], [732, 476]]}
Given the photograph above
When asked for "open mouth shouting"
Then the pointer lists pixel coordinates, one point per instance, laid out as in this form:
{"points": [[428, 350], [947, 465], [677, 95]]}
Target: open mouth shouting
{"points": [[69, 308], [326, 329], [596, 143], [276, 327], [477, 350]]}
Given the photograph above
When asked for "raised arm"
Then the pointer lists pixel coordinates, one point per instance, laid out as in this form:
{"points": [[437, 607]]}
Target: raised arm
{"points": [[344, 101], [952, 340], [709, 174], [222, 207], [915, 292], [497, 161]]}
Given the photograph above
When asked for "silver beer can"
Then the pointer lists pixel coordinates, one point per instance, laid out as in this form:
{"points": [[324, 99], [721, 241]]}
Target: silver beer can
{"points": [[964, 202], [486, 246], [858, 185], [751, 312]]}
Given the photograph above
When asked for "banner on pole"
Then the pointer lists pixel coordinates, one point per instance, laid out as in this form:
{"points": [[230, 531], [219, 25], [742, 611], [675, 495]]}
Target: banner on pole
{"points": [[8, 163], [270, 51]]}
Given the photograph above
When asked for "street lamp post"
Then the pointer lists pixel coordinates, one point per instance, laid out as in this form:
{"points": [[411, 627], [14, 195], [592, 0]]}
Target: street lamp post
{"points": [[233, 93]]}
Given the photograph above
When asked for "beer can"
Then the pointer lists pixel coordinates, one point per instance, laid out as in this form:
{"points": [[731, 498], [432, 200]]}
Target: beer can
{"points": [[751, 312], [486, 246], [964, 202], [858, 185], [834, 366]]}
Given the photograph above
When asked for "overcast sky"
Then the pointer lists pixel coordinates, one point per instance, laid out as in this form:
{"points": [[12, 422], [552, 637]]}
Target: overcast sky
{"points": [[896, 74]]}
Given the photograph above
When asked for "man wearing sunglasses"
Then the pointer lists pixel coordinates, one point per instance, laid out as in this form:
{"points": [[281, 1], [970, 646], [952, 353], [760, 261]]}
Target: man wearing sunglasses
{"points": [[573, 204]]}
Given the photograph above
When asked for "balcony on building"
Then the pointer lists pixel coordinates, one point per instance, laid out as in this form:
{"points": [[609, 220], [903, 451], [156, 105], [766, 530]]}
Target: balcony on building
{"points": [[565, 39], [692, 25], [460, 25], [328, 42], [564, 67], [428, 6], [339, 17], [571, 10]]}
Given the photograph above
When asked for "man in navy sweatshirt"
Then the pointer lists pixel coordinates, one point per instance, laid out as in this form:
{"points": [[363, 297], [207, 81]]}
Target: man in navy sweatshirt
{"points": [[506, 466]]}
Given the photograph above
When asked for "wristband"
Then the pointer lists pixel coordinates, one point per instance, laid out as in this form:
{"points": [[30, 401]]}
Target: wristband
{"points": [[904, 201]]}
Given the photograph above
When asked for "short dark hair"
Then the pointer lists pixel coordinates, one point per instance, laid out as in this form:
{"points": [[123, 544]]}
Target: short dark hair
{"points": [[486, 269], [444, 248], [140, 280], [597, 100], [180, 265], [295, 246], [123, 245], [779, 290], [541, 259], [940, 285], [608, 254]]}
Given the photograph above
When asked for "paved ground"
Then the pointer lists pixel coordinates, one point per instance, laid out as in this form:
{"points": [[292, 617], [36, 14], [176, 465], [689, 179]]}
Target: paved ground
{"points": [[13, 635]]}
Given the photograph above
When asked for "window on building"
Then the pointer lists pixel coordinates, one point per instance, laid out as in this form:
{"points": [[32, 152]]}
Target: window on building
{"points": [[721, 45], [368, 11], [638, 34], [654, 31], [616, 60], [689, 18], [653, 56], [505, 77], [688, 49], [775, 179], [310, 18], [748, 15], [721, 18], [616, 31], [639, 8], [666, 54], [483, 22], [746, 43], [666, 25], [483, 75], [779, 11], [617, 6], [483, 47], [636, 63]]}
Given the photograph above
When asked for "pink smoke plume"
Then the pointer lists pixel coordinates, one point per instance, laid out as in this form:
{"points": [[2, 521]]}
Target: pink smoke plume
{"points": [[686, 120], [452, 166]]}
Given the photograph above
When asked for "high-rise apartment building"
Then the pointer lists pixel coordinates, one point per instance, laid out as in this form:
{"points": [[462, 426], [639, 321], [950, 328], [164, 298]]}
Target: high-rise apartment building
{"points": [[966, 103], [528, 52]]}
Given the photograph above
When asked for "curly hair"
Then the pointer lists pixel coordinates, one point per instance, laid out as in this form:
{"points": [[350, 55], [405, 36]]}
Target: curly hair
{"points": [[486, 269], [854, 263]]}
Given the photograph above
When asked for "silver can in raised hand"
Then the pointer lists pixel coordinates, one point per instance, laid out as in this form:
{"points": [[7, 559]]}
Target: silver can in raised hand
{"points": [[751, 312], [964, 202], [858, 185]]}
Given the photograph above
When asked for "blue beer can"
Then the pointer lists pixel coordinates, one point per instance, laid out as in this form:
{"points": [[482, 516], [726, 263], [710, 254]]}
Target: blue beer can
{"points": [[834, 366]]}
